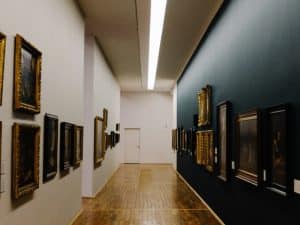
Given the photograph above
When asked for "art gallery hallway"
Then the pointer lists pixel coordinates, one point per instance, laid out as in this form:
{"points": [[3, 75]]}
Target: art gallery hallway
{"points": [[145, 194]]}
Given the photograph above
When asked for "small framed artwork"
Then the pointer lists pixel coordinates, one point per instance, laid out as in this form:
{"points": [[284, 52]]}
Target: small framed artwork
{"points": [[278, 177], [2, 62], [27, 78], [118, 127], [77, 152], [99, 138], [105, 118], [204, 106], [117, 137], [223, 126], [112, 139], [205, 149], [50, 146], [25, 159], [107, 141], [66, 143], [248, 149]]}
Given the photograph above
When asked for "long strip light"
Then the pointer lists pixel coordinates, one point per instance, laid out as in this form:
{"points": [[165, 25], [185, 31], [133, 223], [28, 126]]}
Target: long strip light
{"points": [[157, 17]]}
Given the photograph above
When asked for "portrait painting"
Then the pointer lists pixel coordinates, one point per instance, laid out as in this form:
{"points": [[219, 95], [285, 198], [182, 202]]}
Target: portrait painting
{"points": [[50, 146], [278, 177], [25, 163], [2, 62], [77, 150], [99, 147], [66, 143], [223, 140], [204, 106], [27, 78], [248, 147]]}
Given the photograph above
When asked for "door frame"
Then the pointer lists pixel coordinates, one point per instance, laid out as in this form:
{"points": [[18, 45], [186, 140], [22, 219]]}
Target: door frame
{"points": [[139, 144]]}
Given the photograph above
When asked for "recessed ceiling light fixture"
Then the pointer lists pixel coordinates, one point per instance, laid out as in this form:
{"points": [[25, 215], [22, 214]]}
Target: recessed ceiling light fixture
{"points": [[157, 17]]}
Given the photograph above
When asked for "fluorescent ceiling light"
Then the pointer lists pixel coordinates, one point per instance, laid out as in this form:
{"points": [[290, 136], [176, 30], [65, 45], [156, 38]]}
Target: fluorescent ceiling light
{"points": [[157, 16]]}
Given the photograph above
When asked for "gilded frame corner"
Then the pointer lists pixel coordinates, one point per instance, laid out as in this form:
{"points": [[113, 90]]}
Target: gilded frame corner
{"points": [[2, 62], [20, 106], [17, 191]]}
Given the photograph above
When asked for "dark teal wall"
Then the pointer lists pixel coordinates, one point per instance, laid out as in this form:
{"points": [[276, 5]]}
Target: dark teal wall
{"points": [[251, 57]]}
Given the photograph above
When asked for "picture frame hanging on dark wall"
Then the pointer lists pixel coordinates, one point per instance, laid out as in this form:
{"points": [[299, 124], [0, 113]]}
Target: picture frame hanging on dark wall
{"points": [[27, 77], [248, 147], [25, 159], [204, 106], [223, 137], [205, 149], [50, 146], [77, 149], [2, 62], [66, 143], [278, 176]]}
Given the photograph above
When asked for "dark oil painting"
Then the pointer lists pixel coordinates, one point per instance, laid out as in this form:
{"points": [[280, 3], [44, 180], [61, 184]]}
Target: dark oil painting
{"points": [[50, 147], [28, 66], [65, 146], [278, 146]]}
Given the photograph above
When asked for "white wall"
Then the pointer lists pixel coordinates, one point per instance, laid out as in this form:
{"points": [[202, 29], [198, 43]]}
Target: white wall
{"points": [[56, 28], [152, 113], [101, 91]]}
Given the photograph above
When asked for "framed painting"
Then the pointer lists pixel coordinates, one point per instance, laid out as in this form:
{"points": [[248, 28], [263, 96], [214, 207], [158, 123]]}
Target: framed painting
{"points": [[107, 141], [77, 152], [105, 118], [112, 137], [118, 127], [223, 144], [27, 78], [25, 159], [278, 176], [248, 149], [2, 62], [50, 146], [118, 138], [205, 149], [204, 106], [66, 143], [99, 149]]}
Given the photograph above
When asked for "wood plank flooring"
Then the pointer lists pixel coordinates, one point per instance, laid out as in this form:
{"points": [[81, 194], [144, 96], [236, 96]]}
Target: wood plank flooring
{"points": [[145, 195]]}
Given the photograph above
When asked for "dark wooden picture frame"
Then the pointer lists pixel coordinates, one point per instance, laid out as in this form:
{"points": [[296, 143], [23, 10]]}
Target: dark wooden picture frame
{"points": [[66, 143], [50, 147], [248, 147], [25, 159], [223, 140], [2, 62], [77, 149], [99, 141], [278, 157], [27, 77]]}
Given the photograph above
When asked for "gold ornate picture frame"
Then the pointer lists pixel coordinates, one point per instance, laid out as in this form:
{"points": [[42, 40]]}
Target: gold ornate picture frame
{"points": [[2, 62], [205, 149], [99, 141], [27, 77], [25, 162], [204, 106]]}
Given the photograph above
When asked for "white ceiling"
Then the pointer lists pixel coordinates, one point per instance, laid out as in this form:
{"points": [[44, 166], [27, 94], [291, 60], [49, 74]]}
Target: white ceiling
{"points": [[122, 30]]}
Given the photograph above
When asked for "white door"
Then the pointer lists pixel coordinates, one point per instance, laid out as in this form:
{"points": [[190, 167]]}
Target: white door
{"points": [[132, 145]]}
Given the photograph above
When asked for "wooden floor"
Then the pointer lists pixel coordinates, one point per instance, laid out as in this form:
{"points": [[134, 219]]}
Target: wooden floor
{"points": [[145, 195]]}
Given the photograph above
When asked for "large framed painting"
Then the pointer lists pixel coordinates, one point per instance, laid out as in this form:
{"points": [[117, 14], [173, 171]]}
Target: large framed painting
{"points": [[25, 159], [223, 145], [205, 149], [204, 106], [50, 146], [105, 118], [2, 62], [248, 149], [66, 143], [99, 147], [27, 78], [77, 149], [278, 176]]}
